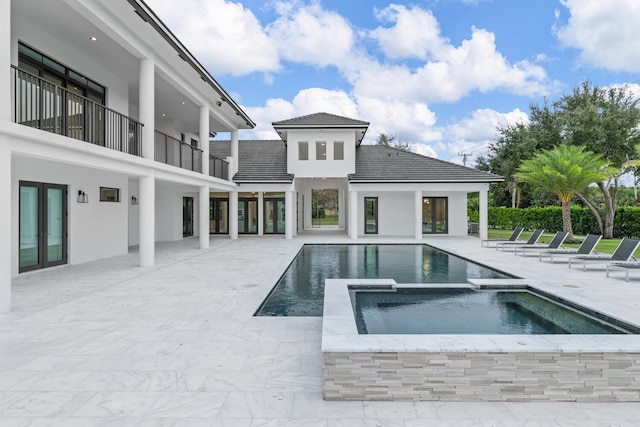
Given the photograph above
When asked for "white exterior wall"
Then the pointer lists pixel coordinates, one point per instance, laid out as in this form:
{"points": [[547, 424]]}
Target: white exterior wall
{"points": [[328, 168], [134, 214], [396, 206], [96, 229]]}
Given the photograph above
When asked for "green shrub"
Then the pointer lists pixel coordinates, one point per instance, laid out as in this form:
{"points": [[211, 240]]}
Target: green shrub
{"points": [[626, 222]]}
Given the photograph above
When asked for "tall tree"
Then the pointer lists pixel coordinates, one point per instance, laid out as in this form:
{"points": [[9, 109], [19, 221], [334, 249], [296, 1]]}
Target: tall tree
{"points": [[563, 171], [389, 140], [604, 121]]}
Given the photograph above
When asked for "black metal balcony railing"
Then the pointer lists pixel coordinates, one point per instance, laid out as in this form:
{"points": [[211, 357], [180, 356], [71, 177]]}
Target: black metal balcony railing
{"points": [[172, 151], [52, 108], [218, 168]]}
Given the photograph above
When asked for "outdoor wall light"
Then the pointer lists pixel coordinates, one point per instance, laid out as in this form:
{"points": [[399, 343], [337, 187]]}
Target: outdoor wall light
{"points": [[82, 197], [134, 200]]}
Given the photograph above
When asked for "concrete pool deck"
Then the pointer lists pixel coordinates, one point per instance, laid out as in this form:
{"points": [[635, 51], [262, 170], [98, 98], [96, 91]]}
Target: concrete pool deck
{"points": [[109, 343]]}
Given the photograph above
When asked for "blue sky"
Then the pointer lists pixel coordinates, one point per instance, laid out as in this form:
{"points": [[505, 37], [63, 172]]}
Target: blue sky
{"points": [[438, 74]]}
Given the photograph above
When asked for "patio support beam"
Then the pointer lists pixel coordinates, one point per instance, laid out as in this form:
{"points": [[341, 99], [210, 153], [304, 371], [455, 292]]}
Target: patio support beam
{"points": [[234, 154], [288, 214], [203, 216], [417, 204], [260, 213], [147, 201], [483, 222], [353, 215], [147, 107], [233, 215], [5, 160], [5, 60], [5, 228], [204, 142]]}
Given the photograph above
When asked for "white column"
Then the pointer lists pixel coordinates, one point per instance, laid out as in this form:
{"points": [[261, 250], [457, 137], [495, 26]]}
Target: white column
{"points": [[5, 222], [260, 213], [5, 60], [483, 202], [288, 215], [296, 213], [203, 208], [204, 141], [353, 215], [147, 202], [234, 153], [417, 204], [147, 107], [233, 215]]}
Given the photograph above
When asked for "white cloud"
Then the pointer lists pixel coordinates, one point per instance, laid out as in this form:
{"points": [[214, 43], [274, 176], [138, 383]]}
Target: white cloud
{"points": [[473, 134], [606, 32], [415, 33], [311, 35], [452, 74], [224, 36]]}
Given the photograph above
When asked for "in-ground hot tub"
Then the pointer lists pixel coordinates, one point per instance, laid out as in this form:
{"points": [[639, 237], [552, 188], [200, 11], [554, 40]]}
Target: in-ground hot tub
{"points": [[474, 366]]}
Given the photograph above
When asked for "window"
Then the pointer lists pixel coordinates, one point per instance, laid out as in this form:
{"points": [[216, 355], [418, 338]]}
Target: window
{"points": [[108, 194], [434, 215], [338, 150], [321, 150], [303, 150], [370, 215], [41, 65]]}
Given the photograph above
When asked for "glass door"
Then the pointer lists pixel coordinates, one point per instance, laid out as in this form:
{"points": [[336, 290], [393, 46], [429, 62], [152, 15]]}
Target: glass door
{"points": [[274, 219], [370, 215], [247, 216], [43, 225], [218, 216], [187, 216], [324, 208], [434, 215]]}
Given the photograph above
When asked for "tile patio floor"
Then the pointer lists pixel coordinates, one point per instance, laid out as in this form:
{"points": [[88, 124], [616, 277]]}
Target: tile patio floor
{"points": [[109, 343]]}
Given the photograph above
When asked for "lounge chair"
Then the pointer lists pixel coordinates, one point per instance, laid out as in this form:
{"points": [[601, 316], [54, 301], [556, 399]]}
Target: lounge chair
{"points": [[535, 236], [513, 238], [627, 266], [587, 246], [624, 252], [555, 243]]}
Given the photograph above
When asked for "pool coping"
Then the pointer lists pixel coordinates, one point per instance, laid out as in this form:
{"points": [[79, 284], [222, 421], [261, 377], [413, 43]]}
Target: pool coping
{"points": [[340, 334]]}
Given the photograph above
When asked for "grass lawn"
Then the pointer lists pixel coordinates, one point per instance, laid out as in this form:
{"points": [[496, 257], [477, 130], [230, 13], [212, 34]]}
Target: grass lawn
{"points": [[607, 246]]}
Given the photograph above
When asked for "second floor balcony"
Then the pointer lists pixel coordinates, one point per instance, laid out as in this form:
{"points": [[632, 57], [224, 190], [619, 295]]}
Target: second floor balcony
{"points": [[41, 104]]}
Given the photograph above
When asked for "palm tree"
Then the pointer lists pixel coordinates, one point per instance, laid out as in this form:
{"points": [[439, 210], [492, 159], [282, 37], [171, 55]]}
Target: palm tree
{"points": [[564, 171]]}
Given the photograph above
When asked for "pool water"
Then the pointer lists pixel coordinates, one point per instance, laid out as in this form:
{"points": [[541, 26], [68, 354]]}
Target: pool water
{"points": [[468, 311], [300, 290]]}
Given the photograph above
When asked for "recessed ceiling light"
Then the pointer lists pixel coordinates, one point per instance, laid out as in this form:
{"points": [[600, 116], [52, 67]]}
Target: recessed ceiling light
{"points": [[93, 38], [183, 103], [164, 115]]}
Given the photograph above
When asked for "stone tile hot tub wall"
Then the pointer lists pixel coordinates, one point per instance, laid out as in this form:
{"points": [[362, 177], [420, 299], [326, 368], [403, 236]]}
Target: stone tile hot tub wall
{"points": [[582, 368]]}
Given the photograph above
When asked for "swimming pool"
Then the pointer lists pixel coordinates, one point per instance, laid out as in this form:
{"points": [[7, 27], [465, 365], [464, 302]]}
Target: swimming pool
{"points": [[300, 290], [468, 311]]}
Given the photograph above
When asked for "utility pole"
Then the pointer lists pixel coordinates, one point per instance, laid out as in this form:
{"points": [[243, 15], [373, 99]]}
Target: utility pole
{"points": [[464, 157]]}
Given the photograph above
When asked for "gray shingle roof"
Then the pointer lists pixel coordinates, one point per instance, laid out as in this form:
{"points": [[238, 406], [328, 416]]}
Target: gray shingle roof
{"points": [[260, 160], [319, 120], [378, 163]]}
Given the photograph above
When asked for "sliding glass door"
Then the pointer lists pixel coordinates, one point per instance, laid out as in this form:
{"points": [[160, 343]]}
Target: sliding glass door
{"points": [[43, 225]]}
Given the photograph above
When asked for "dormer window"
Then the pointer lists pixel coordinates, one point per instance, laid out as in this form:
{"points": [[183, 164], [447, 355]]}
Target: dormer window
{"points": [[303, 150], [321, 150], [338, 150]]}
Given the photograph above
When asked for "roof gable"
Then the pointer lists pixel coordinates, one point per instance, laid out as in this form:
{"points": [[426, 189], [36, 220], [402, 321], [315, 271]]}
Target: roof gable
{"points": [[317, 120]]}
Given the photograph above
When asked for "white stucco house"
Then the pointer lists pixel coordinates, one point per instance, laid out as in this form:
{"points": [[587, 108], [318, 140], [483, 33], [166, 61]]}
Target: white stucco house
{"points": [[105, 143]]}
